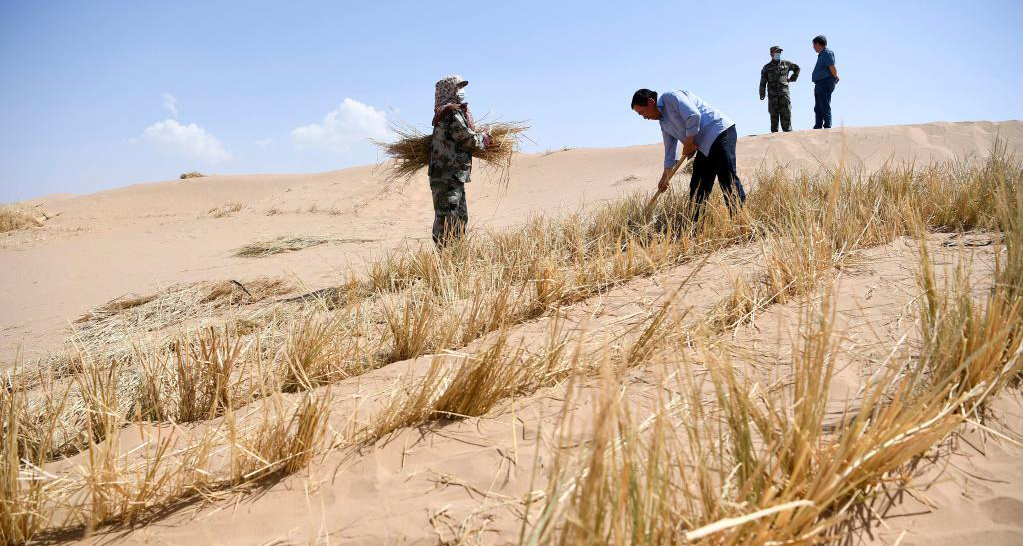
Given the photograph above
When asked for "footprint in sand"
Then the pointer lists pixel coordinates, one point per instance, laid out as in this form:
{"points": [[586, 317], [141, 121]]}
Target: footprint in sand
{"points": [[1004, 510]]}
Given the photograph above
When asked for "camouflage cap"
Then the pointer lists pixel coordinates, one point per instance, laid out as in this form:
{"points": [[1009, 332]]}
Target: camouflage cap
{"points": [[776, 48]]}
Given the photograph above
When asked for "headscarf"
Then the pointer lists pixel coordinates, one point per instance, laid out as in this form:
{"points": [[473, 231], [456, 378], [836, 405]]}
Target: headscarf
{"points": [[445, 99], [446, 91]]}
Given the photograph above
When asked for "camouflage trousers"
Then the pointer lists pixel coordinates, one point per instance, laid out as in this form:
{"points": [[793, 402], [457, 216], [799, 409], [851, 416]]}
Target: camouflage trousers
{"points": [[450, 214], [779, 106]]}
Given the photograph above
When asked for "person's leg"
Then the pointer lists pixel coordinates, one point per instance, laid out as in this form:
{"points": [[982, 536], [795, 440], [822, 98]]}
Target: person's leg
{"points": [[826, 103], [447, 199], [463, 211], [772, 109], [700, 184], [722, 157], [785, 113], [818, 116]]}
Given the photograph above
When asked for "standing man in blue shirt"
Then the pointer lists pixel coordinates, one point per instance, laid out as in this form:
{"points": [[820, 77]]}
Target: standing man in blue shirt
{"points": [[825, 77], [704, 131]]}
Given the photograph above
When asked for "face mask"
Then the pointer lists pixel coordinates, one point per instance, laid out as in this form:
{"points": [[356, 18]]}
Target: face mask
{"points": [[460, 95], [776, 56]]}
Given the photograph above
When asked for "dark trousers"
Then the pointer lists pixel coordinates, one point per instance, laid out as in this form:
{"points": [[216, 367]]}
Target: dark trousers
{"points": [[720, 164], [779, 106], [450, 213], [822, 91]]}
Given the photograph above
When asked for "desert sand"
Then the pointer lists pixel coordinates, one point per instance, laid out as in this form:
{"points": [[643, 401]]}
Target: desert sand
{"points": [[464, 480]]}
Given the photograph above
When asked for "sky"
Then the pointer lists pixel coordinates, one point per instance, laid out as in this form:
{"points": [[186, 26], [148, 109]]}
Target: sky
{"points": [[101, 94]]}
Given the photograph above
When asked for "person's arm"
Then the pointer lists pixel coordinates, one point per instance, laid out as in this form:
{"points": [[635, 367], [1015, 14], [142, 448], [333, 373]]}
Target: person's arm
{"points": [[689, 147], [795, 72], [682, 114], [670, 147], [830, 62], [689, 118], [464, 136], [763, 82]]}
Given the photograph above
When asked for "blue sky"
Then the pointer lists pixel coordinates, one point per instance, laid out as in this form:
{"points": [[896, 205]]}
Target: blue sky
{"points": [[102, 94]]}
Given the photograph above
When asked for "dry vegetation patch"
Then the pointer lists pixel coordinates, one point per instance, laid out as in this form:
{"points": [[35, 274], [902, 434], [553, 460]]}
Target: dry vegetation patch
{"points": [[284, 243], [224, 210], [760, 468], [117, 322], [758, 465], [17, 216]]}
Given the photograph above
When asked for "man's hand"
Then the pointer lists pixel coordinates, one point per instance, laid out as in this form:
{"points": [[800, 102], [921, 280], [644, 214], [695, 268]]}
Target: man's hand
{"points": [[488, 141], [688, 149], [761, 97], [836, 79], [662, 186]]}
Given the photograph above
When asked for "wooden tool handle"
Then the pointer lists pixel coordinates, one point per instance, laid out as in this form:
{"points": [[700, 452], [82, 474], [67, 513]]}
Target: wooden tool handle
{"points": [[671, 173]]}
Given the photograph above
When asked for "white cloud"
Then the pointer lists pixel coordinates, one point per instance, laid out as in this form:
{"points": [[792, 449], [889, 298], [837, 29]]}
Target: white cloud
{"points": [[190, 141], [351, 123], [170, 102]]}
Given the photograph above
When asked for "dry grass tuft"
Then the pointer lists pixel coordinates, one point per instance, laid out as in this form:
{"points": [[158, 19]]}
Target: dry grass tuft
{"points": [[191, 174], [281, 445], [16, 216], [225, 210], [758, 466], [24, 448]]}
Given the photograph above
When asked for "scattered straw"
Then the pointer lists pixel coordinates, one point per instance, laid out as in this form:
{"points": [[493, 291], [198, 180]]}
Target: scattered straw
{"points": [[282, 244], [124, 316]]}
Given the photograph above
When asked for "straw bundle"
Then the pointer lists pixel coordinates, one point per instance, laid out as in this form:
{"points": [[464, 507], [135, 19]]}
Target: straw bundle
{"points": [[411, 151]]}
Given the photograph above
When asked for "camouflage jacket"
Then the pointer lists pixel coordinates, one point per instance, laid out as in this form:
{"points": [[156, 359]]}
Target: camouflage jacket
{"points": [[451, 148], [774, 77]]}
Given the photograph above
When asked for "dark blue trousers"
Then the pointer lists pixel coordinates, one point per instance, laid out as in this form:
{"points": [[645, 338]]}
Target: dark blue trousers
{"points": [[822, 91], [720, 164]]}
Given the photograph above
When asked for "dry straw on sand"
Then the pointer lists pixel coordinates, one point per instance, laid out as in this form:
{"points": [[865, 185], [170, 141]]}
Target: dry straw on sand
{"points": [[411, 151], [282, 244], [721, 461], [15, 217]]}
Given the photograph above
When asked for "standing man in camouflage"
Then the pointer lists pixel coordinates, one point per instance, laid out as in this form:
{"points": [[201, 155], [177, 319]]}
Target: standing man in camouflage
{"points": [[451, 146], [774, 79]]}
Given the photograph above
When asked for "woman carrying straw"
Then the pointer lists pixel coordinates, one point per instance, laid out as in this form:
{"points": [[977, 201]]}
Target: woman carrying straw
{"points": [[451, 148]]}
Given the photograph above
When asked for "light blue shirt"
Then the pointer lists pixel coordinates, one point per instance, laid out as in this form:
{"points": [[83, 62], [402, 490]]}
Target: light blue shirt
{"points": [[683, 114]]}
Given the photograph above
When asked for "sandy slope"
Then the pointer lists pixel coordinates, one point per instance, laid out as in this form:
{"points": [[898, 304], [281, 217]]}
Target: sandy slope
{"points": [[425, 486], [138, 239], [466, 478]]}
